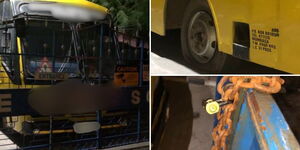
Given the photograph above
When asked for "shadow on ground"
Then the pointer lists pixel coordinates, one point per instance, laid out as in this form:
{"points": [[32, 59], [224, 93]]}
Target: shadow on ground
{"points": [[178, 128], [169, 47]]}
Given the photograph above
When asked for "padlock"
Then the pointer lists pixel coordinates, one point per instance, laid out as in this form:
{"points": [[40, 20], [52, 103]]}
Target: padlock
{"points": [[213, 106]]}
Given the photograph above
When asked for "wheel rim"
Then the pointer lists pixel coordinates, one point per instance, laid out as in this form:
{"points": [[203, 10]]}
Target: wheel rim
{"points": [[202, 37]]}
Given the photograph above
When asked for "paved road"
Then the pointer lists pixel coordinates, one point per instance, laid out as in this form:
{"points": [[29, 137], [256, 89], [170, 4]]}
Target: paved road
{"points": [[6, 143], [203, 124], [162, 66], [169, 60]]}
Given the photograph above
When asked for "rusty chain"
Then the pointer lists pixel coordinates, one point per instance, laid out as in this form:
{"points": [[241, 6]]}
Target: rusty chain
{"points": [[229, 87]]}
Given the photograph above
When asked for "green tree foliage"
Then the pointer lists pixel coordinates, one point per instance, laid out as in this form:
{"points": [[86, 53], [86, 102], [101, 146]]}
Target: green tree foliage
{"points": [[131, 16]]}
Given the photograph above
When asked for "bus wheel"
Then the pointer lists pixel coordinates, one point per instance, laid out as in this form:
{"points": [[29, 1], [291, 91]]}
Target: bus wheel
{"points": [[199, 40]]}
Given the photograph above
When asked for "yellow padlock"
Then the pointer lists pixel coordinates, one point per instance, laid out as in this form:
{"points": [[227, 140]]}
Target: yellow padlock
{"points": [[212, 107]]}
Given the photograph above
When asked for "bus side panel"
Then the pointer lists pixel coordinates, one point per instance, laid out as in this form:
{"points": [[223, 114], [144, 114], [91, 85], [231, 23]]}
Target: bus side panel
{"points": [[264, 26], [289, 53], [273, 30], [158, 16], [224, 12]]}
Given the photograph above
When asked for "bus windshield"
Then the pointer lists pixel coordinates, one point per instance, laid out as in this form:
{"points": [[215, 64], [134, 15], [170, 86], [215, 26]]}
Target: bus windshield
{"points": [[59, 48]]}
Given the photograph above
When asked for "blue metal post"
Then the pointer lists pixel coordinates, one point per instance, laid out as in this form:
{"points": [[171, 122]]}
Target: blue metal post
{"points": [[261, 125], [218, 95], [50, 129], [100, 79], [99, 117], [101, 54], [141, 72]]}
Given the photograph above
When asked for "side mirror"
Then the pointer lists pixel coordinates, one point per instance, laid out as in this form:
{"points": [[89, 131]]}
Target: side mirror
{"points": [[5, 39]]}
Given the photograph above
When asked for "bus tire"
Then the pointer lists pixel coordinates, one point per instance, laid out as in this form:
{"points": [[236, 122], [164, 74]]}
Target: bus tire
{"points": [[199, 39]]}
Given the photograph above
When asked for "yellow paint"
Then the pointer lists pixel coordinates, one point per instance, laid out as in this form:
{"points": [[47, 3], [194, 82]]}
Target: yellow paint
{"points": [[80, 3], [44, 132], [16, 122], [6, 83], [263, 15], [20, 60], [260, 15], [212, 107], [53, 132], [158, 16]]}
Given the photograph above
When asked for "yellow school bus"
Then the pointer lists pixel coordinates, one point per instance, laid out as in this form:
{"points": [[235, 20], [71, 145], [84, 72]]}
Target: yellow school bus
{"points": [[264, 32], [37, 38]]}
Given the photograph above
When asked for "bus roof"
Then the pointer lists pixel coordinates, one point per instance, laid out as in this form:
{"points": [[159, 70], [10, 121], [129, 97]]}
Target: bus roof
{"points": [[78, 3], [67, 10]]}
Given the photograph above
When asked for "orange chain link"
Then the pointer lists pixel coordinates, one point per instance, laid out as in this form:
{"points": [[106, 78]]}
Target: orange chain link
{"points": [[230, 91]]}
